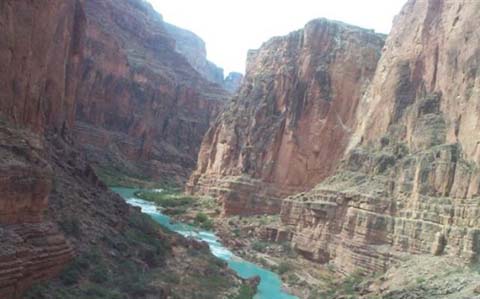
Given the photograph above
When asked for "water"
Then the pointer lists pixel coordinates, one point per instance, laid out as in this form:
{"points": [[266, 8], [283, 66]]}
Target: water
{"points": [[270, 286]]}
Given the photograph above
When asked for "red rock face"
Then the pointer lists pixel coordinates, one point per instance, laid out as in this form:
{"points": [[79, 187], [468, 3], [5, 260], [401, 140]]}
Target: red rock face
{"points": [[40, 53], [410, 182], [31, 248], [289, 125], [193, 48], [138, 97]]}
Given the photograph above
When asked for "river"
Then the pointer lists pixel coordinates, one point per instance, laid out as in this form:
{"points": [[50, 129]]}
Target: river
{"points": [[270, 286]]}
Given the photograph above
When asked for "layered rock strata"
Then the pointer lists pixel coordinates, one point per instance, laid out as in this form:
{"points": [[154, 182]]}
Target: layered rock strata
{"points": [[40, 55], [32, 247], [138, 97], [291, 121], [411, 182]]}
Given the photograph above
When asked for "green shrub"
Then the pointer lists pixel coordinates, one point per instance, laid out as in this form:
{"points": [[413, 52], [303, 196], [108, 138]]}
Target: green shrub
{"points": [[166, 198], [70, 226], [420, 280], [79, 265], [100, 274], [284, 267], [202, 220], [351, 282], [245, 292], [259, 246]]}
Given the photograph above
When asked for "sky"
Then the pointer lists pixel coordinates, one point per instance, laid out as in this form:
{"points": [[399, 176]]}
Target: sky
{"points": [[231, 28]]}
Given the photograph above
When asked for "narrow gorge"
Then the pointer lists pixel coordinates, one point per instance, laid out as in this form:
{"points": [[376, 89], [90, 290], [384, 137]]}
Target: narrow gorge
{"points": [[345, 163]]}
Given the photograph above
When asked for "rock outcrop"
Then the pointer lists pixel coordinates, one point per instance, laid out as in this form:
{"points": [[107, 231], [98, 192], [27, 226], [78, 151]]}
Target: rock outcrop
{"points": [[410, 183], [291, 121], [233, 82], [193, 48], [32, 248], [138, 97], [40, 55]]}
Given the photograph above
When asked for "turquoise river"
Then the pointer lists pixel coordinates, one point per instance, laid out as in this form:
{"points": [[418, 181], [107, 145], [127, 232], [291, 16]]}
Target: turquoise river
{"points": [[270, 286]]}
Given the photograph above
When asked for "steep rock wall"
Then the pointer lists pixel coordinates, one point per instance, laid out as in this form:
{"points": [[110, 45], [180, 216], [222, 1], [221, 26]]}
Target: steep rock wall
{"points": [[410, 183], [54, 210], [289, 124], [41, 49], [193, 48], [139, 98], [40, 56]]}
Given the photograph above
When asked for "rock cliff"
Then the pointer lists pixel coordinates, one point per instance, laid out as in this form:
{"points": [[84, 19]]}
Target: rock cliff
{"points": [[292, 119], [193, 48], [41, 47], [233, 81], [138, 97], [410, 182], [55, 214], [39, 87]]}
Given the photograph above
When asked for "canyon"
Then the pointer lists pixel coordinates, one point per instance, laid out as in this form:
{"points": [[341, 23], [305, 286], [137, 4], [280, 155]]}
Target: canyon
{"points": [[342, 151], [366, 166]]}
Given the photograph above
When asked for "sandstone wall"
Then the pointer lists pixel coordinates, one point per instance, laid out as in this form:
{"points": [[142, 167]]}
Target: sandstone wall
{"points": [[193, 48], [32, 249], [40, 54], [138, 97], [291, 121], [410, 182], [41, 46]]}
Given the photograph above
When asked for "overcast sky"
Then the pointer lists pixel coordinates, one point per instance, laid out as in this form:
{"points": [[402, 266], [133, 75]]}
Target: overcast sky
{"points": [[230, 28]]}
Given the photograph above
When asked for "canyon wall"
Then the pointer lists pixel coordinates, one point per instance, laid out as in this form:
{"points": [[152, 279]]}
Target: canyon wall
{"points": [[142, 108], [233, 81], [410, 183], [291, 121], [193, 48], [40, 55], [58, 65]]}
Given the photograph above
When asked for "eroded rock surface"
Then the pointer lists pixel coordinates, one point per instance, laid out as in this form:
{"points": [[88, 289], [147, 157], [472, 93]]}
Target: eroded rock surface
{"points": [[40, 53], [142, 108], [410, 183], [233, 81], [291, 121], [55, 214], [193, 48], [32, 249]]}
